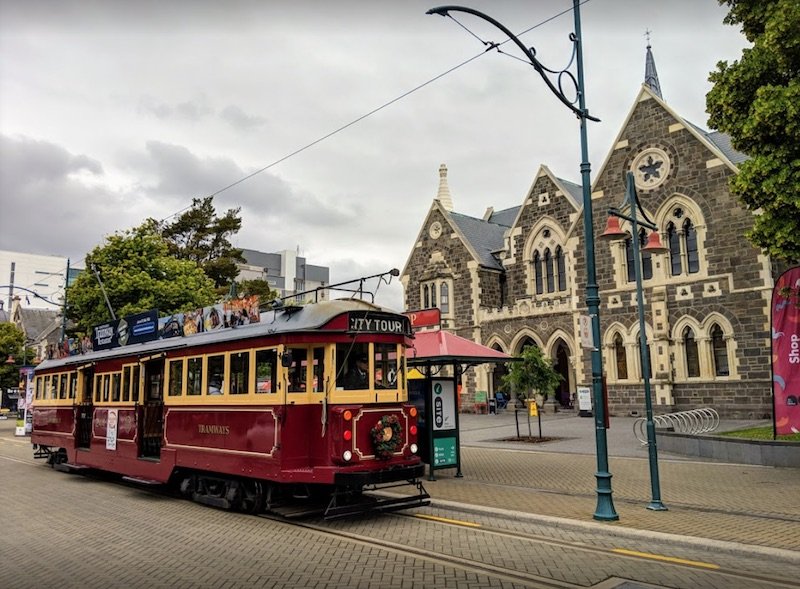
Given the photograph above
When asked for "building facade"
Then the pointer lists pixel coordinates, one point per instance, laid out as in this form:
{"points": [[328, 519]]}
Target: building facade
{"points": [[39, 280], [285, 271], [517, 277]]}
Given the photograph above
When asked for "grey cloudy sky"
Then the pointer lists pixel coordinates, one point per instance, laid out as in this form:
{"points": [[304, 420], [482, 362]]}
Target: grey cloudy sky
{"points": [[115, 111]]}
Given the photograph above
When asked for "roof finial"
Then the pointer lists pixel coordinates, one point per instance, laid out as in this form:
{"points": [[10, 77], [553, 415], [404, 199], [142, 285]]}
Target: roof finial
{"points": [[443, 196], [650, 73]]}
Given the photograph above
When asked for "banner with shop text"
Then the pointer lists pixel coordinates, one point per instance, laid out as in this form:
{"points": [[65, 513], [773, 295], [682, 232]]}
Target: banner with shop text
{"points": [[786, 352]]}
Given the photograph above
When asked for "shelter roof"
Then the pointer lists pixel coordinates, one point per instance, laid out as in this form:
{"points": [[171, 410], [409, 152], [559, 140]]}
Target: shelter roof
{"points": [[443, 347]]}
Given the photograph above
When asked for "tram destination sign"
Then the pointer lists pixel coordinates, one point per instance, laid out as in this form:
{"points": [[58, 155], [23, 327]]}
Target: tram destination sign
{"points": [[372, 322]]}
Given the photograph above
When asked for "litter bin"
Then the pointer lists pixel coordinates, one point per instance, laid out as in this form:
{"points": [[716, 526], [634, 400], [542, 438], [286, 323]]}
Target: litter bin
{"points": [[492, 406]]}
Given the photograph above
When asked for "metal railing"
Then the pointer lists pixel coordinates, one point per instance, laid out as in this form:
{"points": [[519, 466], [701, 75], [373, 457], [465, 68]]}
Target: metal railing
{"points": [[695, 421]]}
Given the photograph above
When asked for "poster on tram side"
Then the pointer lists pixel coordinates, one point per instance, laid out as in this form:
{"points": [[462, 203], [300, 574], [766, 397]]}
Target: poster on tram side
{"points": [[786, 352]]}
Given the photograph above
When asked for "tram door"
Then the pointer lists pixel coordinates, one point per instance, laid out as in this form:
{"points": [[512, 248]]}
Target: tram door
{"points": [[85, 410], [152, 423]]}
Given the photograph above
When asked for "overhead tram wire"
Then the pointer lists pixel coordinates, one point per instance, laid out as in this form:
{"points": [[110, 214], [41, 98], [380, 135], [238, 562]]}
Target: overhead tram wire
{"points": [[489, 46]]}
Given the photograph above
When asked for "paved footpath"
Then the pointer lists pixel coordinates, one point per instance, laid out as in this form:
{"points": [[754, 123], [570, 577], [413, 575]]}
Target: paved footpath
{"points": [[721, 502]]}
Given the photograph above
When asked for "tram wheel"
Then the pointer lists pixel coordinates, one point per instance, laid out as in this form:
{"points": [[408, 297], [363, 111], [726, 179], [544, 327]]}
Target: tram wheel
{"points": [[251, 496]]}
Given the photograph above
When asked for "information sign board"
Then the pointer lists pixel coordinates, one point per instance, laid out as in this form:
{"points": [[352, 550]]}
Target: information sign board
{"points": [[444, 452]]}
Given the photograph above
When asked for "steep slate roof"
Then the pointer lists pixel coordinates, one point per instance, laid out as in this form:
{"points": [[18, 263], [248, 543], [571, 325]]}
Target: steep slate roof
{"points": [[574, 191], [484, 237], [722, 142], [35, 321], [505, 217]]}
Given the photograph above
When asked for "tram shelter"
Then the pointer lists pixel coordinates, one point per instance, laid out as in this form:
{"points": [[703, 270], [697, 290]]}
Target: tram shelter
{"points": [[436, 397]]}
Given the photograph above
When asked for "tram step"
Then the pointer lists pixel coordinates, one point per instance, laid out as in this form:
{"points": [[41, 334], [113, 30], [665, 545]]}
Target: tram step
{"points": [[140, 481], [67, 467]]}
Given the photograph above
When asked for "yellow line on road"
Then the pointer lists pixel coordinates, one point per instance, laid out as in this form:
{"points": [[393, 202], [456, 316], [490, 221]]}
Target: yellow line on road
{"points": [[694, 563], [455, 522]]}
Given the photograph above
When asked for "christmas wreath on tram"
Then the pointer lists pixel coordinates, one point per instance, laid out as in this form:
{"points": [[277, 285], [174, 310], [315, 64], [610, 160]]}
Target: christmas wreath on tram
{"points": [[386, 436]]}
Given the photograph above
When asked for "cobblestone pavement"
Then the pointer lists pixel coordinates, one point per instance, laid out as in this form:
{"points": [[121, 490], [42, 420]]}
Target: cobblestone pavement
{"points": [[520, 516]]}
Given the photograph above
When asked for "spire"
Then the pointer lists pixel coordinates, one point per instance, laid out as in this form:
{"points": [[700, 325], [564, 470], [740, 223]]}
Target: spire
{"points": [[443, 196], [650, 73]]}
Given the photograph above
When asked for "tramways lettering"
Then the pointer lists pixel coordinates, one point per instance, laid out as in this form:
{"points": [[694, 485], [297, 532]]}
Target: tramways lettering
{"points": [[219, 430]]}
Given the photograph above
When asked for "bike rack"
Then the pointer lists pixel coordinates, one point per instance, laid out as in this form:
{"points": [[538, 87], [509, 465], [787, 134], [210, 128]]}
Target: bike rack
{"points": [[695, 421]]}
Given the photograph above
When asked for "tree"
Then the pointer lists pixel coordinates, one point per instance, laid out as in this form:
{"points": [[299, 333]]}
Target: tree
{"points": [[201, 236], [257, 287], [11, 342], [533, 374], [138, 274], [756, 100]]}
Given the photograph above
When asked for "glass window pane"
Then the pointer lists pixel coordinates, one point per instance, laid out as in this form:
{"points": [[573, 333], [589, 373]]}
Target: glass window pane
{"points": [[629, 260], [426, 297], [115, 386], [216, 375], [352, 366], [135, 384], [537, 273], [98, 388], [549, 272], [175, 378], [106, 387], [385, 366], [674, 249], [692, 355], [561, 267], [54, 387], [444, 299], [194, 376], [62, 387], [318, 370], [73, 385], [126, 384], [647, 258], [692, 255], [39, 382], [720, 349], [266, 371], [298, 371], [621, 358], [240, 373]]}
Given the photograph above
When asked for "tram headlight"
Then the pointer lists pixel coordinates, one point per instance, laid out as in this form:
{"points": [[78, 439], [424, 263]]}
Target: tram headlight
{"points": [[347, 456], [414, 448]]}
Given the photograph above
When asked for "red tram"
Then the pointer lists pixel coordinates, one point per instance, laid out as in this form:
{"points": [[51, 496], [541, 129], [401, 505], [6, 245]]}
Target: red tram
{"points": [[247, 418]]}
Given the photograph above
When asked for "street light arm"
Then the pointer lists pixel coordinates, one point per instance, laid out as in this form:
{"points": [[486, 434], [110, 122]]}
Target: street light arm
{"points": [[537, 65]]}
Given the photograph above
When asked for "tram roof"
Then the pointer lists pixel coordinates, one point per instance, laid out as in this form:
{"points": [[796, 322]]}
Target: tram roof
{"points": [[291, 319]]}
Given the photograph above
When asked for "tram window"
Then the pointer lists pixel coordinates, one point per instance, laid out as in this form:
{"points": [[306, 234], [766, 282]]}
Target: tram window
{"points": [[194, 376], [54, 387], [216, 375], [73, 385], [62, 387], [266, 369], [115, 386], [385, 366], [46, 387], [319, 370], [106, 387], [297, 371], [175, 378], [240, 373], [126, 384], [39, 387], [135, 384], [350, 373], [98, 381]]}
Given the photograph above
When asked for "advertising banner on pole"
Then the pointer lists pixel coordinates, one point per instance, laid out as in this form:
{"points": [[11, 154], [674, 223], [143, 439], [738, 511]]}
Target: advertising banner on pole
{"points": [[786, 352]]}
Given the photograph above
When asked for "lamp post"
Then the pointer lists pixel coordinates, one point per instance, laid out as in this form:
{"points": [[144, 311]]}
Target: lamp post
{"points": [[613, 231], [605, 506]]}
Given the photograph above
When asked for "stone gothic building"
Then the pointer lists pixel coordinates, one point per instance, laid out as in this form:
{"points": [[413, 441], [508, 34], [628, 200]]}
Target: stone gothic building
{"points": [[517, 277]]}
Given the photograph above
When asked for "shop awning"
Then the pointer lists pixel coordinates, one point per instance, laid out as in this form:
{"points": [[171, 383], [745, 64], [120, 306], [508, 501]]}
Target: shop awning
{"points": [[443, 347]]}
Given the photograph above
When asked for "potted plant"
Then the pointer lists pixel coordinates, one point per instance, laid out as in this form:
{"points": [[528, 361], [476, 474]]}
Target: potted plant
{"points": [[533, 376]]}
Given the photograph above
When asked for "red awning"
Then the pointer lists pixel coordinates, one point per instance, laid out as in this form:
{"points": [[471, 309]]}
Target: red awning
{"points": [[443, 346]]}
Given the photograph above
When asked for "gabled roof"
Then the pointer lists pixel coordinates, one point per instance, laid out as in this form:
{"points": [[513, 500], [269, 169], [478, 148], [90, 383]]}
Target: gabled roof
{"points": [[723, 142], [505, 217], [34, 322], [484, 237]]}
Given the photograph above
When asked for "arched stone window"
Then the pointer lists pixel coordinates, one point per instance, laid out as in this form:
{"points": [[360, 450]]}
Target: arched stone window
{"points": [[444, 298], [691, 353], [620, 357], [537, 273], [719, 351], [561, 269], [426, 297], [674, 241], [646, 257], [690, 245], [549, 271]]}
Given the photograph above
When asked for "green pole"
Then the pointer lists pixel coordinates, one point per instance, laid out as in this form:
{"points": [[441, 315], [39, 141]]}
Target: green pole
{"points": [[605, 504]]}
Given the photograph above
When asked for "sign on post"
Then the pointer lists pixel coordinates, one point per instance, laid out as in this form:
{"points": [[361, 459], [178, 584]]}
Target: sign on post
{"points": [[585, 401]]}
